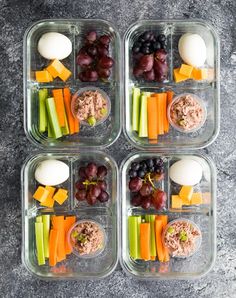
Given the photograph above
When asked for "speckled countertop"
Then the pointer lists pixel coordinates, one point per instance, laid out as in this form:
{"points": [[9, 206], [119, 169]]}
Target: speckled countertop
{"points": [[15, 17]]}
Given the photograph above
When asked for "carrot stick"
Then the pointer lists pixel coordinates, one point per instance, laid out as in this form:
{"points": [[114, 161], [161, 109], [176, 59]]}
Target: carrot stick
{"points": [[70, 117], [164, 219], [145, 241], [166, 122], [170, 95], [159, 246], [76, 123], [69, 221], [60, 108], [152, 118], [160, 120], [53, 244], [58, 224]]}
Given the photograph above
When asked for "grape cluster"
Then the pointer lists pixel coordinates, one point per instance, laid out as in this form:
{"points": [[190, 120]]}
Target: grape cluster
{"points": [[150, 57], [93, 58], [143, 176], [91, 185]]}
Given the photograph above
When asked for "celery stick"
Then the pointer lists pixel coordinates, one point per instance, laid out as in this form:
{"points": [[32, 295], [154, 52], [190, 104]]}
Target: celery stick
{"points": [[46, 229], [39, 242], [39, 218], [50, 132], [53, 118], [135, 108], [134, 234], [65, 130], [43, 94], [138, 237], [143, 127], [152, 238]]}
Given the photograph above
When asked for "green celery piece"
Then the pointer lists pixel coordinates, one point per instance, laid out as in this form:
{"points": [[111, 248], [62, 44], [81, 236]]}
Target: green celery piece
{"points": [[39, 218], [147, 218], [65, 130], [39, 243], [134, 235], [46, 230], [50, 132], [152, 238], [53, 118], [135, 108], [43, 94], [143, 127]]}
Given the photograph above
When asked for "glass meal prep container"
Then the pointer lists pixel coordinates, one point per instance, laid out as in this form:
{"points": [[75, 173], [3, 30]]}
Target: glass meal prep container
{"points": [[207, 90], [204, 216], [101, 135], [105, 214]]}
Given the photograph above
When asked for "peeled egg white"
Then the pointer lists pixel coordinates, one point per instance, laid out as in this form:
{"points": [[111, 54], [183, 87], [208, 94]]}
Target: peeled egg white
{"points": [[53, 45], [192, 49], [51, 172], [186, 172]]}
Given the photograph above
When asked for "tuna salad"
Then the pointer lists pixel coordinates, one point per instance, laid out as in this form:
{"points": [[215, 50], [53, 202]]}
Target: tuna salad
{"points": [[187, 113], [90, 106], [181, 238], [87, 237]]}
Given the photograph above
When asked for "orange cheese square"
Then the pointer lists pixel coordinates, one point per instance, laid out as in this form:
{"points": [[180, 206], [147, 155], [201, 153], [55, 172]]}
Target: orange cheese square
{"points": [[179, 77], [49, 202], [176, 202], [51, 191], [196, 198], [186, 202], [60, 196], [55, 68], [186, 192], [65, 74], [186, 70], [43, 76], [40, 194]]}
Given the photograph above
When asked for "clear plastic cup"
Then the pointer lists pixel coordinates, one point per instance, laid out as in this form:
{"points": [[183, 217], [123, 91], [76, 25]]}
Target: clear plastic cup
{"points": [[199, 101], [104, 95], [98, 251]]}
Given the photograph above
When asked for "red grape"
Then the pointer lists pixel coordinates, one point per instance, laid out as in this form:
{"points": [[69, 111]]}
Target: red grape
{"points": [[91, 199], [136, 200], [102, 172], [137, 72], [146, 202], [137, 56], [149, 75], [106, 62], [160, 55], [102, 51], [161, 70], [92, 50], [91, 75], [83, 51], [94, 190], [91, 170], [102, 184], [79, 184], [103, 197], [82, 173], [146, 62], [159, 199], [81, 195], [145, 190], [84, 60], [82, 76], [104, 73], [91, 36], [158, 176], [105, 40], [135, 184]]}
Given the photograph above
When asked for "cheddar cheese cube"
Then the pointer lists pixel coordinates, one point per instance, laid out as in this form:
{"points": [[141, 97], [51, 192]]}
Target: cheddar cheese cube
{"points": [[176, 202], [43, 76], [186, 70], [41, 194], [65, 74], [186, 192], [55, 68], [60, 196], [200, 74], [51, 191], [196, 198], [186, 202], [49, 202], [179, 77]]}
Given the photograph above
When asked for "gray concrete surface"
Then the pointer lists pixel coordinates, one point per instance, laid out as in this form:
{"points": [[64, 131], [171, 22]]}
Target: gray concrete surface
{"points": [[15, 17]]}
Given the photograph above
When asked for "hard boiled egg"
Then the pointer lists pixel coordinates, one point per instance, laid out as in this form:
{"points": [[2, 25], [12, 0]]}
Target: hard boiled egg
{"points": [[51, 172], [192, 49], [186, 172], [54, 45]]}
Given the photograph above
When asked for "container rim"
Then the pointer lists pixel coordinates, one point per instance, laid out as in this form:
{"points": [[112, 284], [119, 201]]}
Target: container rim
{"points": [[30, 158], [213, 213], [32, 140], [215, 134]]}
